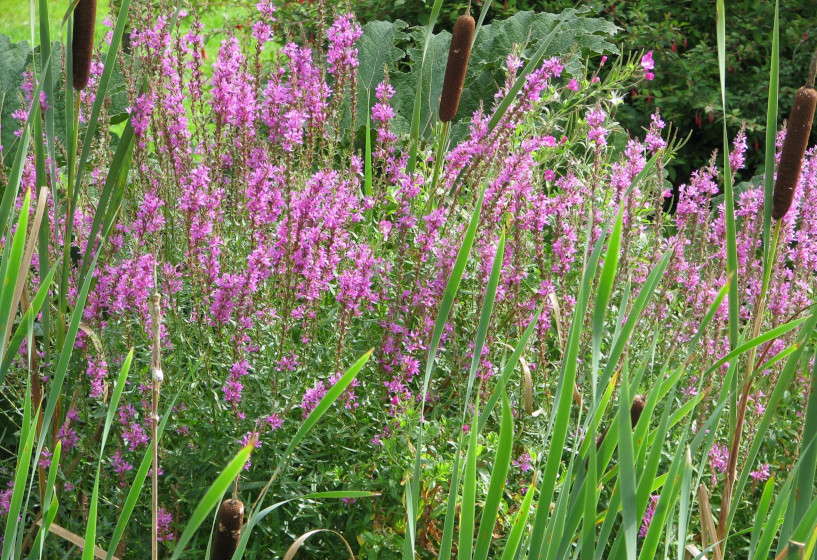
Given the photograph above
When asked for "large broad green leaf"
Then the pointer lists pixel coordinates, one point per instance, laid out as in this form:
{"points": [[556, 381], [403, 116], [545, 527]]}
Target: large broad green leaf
{"points": [[377, 49], [14, 58], [405, 83], [400, 50]]}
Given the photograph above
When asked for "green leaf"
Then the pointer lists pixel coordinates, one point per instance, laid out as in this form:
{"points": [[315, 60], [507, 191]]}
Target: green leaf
{"points": [[626, 477], [469, 495], [482, 330], [729, 199], [26, 444], [519, 523], [771, 137], [608, 275], [502, 462], [780, 388], [27, 319], [416, 117], [90, 528], [14, 59], [10, 271], [804, 490], [320, 409], [760, 515], [377, 51], [484, 323]]}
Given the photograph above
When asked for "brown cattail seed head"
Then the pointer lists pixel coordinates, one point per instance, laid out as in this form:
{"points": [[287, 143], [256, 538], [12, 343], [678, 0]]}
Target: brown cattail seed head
{"points": [[638, 407], [794, 148], [635, 413], [458, 55], [228, 529], [82, 44]]}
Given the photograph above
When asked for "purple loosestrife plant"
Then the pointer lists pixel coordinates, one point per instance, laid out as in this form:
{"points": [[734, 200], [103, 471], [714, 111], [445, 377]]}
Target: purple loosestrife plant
{"points": [[246, 211]]}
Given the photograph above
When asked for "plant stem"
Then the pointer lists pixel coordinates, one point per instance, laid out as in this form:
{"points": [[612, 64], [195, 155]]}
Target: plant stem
{"points": [[158, 377], [734, 449]]}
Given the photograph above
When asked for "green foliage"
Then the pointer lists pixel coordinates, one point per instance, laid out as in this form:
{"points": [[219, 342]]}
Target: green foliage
{"points": [[14, 59], [397, 46]]}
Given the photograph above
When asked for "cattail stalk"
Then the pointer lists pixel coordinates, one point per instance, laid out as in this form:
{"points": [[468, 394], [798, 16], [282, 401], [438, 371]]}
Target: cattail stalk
{"points": [[228, 529], [82, 44], [158, 377], [458, 54], [788, 174]]}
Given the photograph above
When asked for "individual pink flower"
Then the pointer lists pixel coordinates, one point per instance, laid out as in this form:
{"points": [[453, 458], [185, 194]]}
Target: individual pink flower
{"points": [[762, 473], [648, 64]]}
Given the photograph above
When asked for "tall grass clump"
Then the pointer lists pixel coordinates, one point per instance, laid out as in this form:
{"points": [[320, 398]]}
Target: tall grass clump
{"points": [[545, 362]]}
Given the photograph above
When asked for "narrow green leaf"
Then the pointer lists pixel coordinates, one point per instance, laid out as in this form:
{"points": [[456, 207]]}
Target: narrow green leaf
{"points": [[729, 196], [490, 404], [90, 528], [560, 415], [367, 170], [502, 462], [755, 342], [12, 272], [20, 475], [469, 495], [111, 195], [768, 530], [414, 134], [685, 507], [484, 323], [519, 523], [27, 320], [608, 275], [529, 67], [320, 409], [482, 330], [590, 494], [804, 489], [50, 500], [626, 477], [771, 138]]}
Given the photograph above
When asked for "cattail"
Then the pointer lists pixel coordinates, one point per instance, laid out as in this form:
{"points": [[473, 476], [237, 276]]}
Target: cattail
{"points": [[455, 68], [795, 144], [82, 45], [228, 529], [635, 413], [794, 148]]}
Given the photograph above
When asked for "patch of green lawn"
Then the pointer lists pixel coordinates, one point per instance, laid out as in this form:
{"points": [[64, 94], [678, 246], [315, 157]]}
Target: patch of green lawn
{"points": [[15, 16]]}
